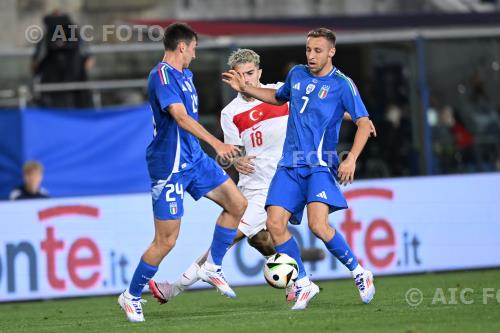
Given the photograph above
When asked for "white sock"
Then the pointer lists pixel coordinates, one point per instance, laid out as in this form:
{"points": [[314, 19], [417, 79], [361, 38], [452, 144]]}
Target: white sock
{"points": [[188, 278], [358, 270], [303, 282], [209, 266], [209, 258], [127, 294]]}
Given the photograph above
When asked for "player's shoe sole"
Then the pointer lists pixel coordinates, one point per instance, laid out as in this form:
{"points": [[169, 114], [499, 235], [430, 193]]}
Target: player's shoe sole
{"points": [[290, 293], [157, 294]]}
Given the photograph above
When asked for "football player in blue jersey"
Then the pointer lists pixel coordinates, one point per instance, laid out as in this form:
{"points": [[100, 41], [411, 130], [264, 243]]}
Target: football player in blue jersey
{"points": [[318, 95], [177, 164]]}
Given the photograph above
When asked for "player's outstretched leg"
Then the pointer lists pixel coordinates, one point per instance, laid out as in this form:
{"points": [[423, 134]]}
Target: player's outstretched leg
{"points": [[165, 291], [130, 301], [336, 244], [277, 221], [234, 204]]}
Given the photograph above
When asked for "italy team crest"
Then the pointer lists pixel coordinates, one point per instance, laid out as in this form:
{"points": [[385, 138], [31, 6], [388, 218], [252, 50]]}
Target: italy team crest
{"points": [[323, 92], [173, 208], [309, 89]]}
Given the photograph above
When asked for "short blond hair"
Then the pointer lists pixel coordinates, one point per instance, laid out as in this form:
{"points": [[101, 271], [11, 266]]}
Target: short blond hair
{"points": [[243, 56], [31, 166]]}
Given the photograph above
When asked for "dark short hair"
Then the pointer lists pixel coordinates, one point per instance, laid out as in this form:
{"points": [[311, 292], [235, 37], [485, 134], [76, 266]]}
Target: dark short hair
{"points": [[176, 33], [323, 32]]}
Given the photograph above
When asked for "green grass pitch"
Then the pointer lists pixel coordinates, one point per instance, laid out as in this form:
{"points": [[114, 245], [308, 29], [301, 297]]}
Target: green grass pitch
{"points": [[263, 309]]}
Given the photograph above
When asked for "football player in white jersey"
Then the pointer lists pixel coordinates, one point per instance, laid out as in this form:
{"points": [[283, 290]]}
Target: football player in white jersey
{"points": [[260, 129]]}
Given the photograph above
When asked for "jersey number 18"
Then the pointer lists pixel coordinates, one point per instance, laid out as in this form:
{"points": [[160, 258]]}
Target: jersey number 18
{"points": [[256, 138]]}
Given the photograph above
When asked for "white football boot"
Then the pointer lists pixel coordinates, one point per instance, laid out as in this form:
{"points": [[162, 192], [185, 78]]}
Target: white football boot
{"points": [[305, 290], [213, 275], [364, 283], [132, 306]]}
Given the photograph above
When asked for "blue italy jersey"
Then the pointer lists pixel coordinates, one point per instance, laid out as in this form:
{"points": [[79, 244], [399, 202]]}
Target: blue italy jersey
{"points": [[173, 149], [317, 106]]}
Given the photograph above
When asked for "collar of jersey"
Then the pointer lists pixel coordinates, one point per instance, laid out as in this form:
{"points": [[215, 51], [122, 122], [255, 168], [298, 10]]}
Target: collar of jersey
{"points": [[326, 76], [175, 71]]}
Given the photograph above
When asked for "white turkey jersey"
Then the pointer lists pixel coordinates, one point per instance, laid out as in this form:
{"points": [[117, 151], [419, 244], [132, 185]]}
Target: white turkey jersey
{"points": [[261, 129]]}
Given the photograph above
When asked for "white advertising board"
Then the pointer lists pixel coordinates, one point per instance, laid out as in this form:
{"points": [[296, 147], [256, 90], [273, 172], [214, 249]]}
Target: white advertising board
{"points": [[90, 245]]}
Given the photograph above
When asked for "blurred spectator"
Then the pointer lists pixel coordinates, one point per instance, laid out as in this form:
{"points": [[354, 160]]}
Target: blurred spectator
{"points": [[469, 159], [62, 56], [477, 128], [395, 138], [443, 139], [30, 189]]}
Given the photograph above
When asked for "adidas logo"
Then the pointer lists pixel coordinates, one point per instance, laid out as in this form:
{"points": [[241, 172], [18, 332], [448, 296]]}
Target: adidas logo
{"points": [[296, 86], [322, 195]]}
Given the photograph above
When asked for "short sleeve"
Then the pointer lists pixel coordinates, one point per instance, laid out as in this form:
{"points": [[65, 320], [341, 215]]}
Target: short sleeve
{"points": [[165, 91], [352, 101], [283, 92], [231, 132]]}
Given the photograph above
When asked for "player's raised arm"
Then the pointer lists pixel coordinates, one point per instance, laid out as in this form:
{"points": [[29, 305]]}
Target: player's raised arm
{"points": [[236, 81], [179, 113]]}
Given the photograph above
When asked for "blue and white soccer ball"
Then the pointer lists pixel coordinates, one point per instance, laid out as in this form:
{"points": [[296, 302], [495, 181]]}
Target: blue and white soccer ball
{"points": [[280, 271]]}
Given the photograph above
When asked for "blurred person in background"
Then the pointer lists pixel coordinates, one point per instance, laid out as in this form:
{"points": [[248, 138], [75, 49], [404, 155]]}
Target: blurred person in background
{"points": [[62, 56], [443, 140], [395, 133], [31, 187]]}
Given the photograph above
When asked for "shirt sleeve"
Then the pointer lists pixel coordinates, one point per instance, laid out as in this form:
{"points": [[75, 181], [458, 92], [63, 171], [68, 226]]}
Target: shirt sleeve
{"points": [[352, 101], [231, 133], [165, 91], [283, 92]]}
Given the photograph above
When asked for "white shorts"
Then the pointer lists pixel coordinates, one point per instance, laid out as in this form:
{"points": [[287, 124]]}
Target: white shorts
{"points": [[254, 219]]}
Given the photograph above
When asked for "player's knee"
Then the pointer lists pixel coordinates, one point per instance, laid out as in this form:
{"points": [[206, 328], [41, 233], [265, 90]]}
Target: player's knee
{"points": [[238, 206], [166, 243], [275, 226]]}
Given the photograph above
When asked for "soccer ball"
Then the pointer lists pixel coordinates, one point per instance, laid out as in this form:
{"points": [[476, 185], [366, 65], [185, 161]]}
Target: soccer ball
{"points": [[280, 271]]}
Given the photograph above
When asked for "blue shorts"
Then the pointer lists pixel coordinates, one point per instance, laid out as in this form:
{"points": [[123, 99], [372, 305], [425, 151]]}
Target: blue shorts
{"points": [[168, 194], [294, 188]]}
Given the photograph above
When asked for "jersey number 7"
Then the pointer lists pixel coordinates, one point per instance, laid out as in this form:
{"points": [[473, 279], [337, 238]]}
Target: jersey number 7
{"points": [[306, 100]]}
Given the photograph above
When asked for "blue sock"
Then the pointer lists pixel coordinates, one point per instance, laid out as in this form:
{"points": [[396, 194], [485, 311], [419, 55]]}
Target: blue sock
{"points": [[223, 238], [341, 250], [291, 248], [143, 273]]}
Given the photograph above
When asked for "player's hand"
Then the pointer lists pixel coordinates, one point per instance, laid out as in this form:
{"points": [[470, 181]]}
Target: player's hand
{"points": [[234, 79], [373, 131], [346, 170], [226, 152], [245, 165]]}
